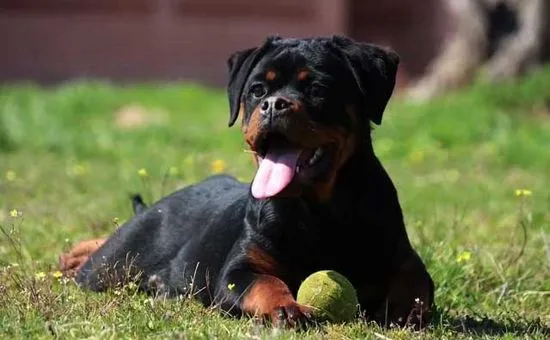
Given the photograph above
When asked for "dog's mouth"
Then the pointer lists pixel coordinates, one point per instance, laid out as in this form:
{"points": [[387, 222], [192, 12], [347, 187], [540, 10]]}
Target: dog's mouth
{"points": [[281, 162]]}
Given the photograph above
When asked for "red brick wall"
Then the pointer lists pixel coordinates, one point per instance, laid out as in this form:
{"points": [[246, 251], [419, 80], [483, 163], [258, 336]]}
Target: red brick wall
{"points": [[55, 40]]}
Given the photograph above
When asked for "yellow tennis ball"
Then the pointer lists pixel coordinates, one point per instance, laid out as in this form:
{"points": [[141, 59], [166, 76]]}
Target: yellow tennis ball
{"points": [[331, 296]]}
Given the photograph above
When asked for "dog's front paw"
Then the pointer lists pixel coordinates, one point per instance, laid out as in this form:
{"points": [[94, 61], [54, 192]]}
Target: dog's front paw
{"points": [[291, 315]]}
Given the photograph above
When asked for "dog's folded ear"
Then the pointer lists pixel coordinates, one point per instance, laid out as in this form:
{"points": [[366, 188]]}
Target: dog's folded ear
{"points": [[240, 64], [374, 69], [238, 72]]}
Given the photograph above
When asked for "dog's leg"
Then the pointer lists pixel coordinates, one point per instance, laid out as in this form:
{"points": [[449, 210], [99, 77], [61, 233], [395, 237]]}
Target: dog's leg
{"points": [[269, 296], [71, 262], [264, 296], [250, 284], [410, 295]]}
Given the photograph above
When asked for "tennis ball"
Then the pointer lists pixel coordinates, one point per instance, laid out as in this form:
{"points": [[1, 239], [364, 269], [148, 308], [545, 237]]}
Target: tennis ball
{"points": [[330, 295]]}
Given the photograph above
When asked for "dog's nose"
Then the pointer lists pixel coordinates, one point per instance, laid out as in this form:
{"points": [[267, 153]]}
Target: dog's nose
{"points": [[275, 106]]}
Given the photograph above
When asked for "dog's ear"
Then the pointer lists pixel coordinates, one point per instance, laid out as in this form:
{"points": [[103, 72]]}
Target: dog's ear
{"points": [[238, 73], [374, 69], [240, 64]]}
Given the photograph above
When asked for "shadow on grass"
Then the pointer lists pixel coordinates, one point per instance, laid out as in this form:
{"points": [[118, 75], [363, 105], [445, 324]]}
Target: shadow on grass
{"points": [[485, 325]]}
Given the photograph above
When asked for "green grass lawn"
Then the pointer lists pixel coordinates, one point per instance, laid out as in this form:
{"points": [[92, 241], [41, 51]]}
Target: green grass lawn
{"points": [[69, 156]]}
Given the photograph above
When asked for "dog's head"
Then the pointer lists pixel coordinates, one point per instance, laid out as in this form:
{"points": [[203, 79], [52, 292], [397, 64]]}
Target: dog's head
{"points": [[306, 105]]}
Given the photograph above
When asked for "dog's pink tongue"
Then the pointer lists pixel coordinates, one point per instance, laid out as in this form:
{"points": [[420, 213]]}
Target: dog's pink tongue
{"points": [[275, 172]]}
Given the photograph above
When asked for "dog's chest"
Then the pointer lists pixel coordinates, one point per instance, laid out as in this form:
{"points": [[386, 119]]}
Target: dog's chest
{"points": [[341, 242]]}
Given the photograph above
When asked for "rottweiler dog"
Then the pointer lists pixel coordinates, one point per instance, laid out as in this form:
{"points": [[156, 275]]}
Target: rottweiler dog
{"points": [[320, 199]]}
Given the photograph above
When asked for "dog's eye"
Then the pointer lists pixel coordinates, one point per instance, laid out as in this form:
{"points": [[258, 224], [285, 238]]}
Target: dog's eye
{"points": [[317, 91], [258, 90]]}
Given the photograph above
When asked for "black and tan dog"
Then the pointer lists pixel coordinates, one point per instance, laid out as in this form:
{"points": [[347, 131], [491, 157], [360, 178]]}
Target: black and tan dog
{"points": [[320, 198]]}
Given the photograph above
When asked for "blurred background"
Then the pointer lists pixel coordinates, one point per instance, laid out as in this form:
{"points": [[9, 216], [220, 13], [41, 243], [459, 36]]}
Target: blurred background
{"points": [[128, 40]]}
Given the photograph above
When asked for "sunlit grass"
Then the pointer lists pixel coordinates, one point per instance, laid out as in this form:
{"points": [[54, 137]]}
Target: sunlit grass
{"points": [[472, 172]]}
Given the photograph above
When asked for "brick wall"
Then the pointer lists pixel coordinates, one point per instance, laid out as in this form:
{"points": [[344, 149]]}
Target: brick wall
{"points": [[125, 40]]}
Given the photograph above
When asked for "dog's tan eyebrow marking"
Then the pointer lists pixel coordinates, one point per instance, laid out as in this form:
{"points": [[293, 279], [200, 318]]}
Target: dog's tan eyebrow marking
{"points": [[302, 74], [270, 75]]}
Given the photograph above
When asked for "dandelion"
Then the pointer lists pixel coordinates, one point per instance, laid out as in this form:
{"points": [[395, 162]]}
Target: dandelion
{"points": [[57, 274], [464, 257], [116, 221], [10, 175], [40, 275], [231, 286], [523, 192], [14, 213], [143, 172], [218, 166]]}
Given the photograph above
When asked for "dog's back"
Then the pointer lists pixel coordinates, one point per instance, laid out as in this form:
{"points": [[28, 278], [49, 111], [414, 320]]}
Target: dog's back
{"points": [[161, 239]]}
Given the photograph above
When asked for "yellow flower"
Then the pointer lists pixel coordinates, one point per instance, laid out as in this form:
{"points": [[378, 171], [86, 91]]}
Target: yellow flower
{"points": [[79, 169], [143, 172], [218, 166], [523, 192], [14, 213], [464, 257], [57, 274], [10, 175], [116, 220], [40, 275], [231, 286]]}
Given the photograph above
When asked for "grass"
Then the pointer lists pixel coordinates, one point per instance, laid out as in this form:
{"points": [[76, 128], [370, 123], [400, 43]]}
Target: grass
{"points": [[69, 156]]}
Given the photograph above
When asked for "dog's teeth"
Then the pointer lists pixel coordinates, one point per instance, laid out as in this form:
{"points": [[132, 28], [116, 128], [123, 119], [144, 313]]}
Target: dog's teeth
{"points": [[298, 169], [316, 156]]}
